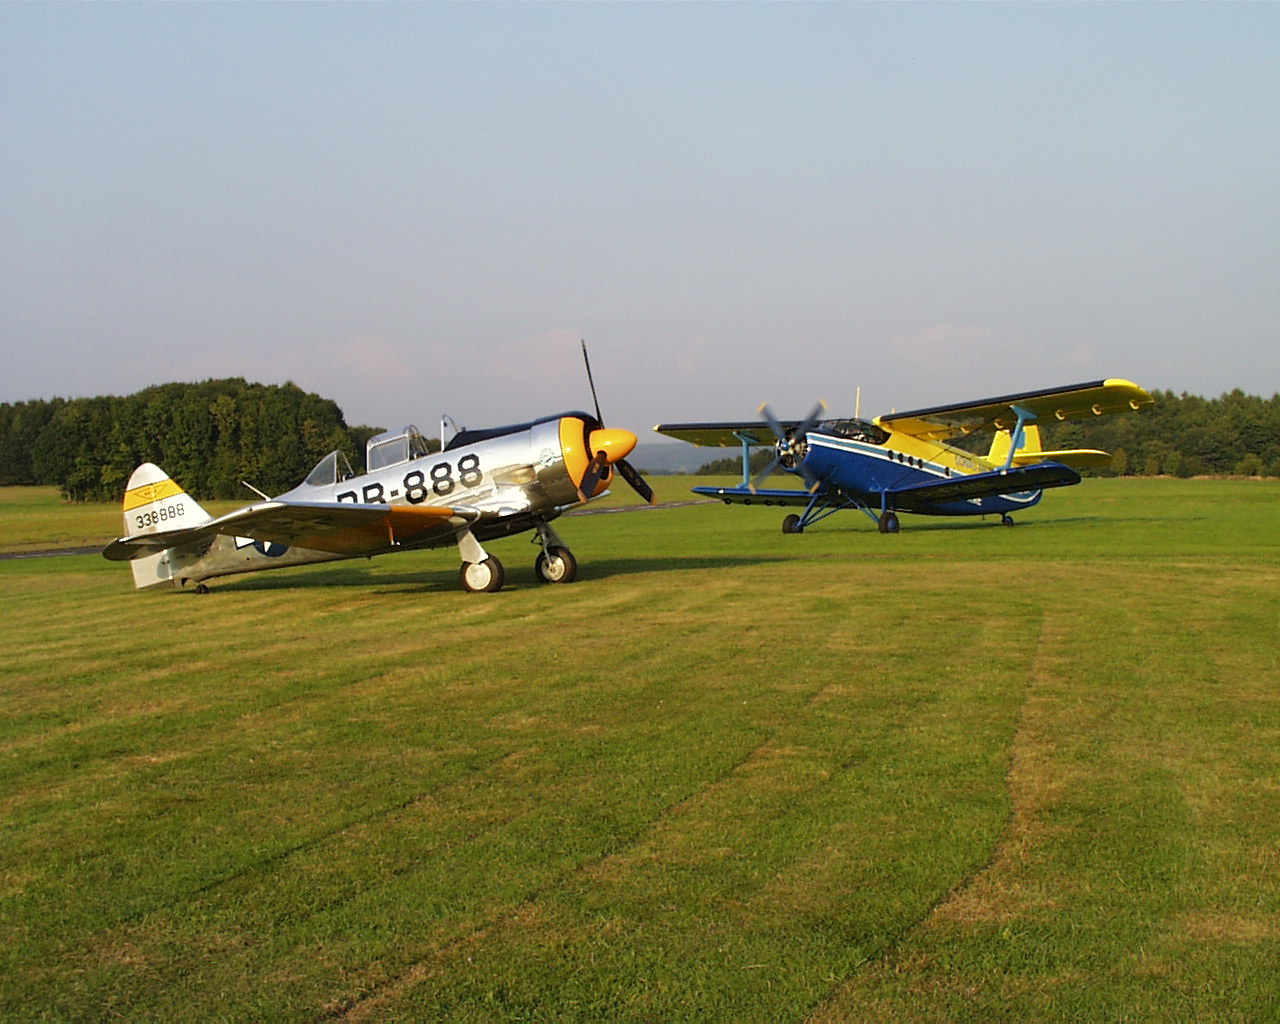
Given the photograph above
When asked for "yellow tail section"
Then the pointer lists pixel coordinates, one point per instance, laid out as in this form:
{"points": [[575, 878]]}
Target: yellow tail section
{"points": [[1000, 444], [156, 503], [1032, 451]]}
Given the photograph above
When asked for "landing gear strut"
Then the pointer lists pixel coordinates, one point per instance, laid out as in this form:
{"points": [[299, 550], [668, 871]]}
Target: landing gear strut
{"points": [[480, 571], [555, 563]]}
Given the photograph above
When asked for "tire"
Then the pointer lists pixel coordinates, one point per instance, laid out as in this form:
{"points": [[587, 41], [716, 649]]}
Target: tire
{"points": [[482, 577], [791, 524], [889, 522], [556, 565]]}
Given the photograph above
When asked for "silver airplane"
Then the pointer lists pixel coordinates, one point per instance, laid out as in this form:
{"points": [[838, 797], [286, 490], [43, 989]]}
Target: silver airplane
{"points": [[483, 484]]}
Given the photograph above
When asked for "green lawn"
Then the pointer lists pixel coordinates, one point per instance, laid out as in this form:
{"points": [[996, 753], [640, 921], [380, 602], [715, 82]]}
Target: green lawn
{"points": [[962, 773]]}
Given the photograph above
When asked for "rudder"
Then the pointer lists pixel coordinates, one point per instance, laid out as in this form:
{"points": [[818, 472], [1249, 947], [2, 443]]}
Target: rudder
{"points": [[1003, 439], [155, 503]]}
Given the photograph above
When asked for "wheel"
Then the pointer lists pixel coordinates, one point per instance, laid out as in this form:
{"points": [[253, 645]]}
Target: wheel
{"points": [[486, 576], [201, 588], [1006, 520], [791, 524], [889, 522], [556, 565]]}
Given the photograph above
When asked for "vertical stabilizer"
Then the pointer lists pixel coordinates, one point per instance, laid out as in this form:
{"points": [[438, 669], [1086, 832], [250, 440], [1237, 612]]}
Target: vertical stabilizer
{"points": [[155, 503], [1000, 443]]}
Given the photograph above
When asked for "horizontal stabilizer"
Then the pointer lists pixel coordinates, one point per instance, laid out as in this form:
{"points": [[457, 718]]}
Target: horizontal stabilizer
{"points": [[338, 527], [1079, 458]]}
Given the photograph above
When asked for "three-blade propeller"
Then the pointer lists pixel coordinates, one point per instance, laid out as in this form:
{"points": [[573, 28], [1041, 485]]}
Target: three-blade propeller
{"points": [[791, 447], [601, 442]]}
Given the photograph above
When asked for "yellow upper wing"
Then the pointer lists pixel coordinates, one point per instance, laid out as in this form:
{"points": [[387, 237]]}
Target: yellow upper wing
{"points": [[1076, 401]]}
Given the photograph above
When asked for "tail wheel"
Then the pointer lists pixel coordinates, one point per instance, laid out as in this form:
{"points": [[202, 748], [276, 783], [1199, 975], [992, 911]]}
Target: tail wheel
{"points": [[556, 565], [486, 576], [791, 524]]}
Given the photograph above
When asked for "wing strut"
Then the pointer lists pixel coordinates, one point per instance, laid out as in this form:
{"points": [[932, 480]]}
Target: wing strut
{"points": [[746, 456], [1017, 437]]}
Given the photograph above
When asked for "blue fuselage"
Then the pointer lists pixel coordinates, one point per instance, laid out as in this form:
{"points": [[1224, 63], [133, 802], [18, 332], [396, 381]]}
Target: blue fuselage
{"points": [[868, 472]]}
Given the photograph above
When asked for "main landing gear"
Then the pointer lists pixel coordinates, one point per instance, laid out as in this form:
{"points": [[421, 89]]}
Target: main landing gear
{"points": [[555, 563], [481, 572], [888, 522], [484, 576]]}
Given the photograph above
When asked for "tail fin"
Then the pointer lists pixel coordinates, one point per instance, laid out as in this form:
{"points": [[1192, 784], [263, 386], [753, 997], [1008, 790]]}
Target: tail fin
{"points": [[156, 503], [1003, 440]]}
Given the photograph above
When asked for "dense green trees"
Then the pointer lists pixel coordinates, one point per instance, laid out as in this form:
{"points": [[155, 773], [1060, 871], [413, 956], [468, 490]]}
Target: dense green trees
{"points": [[1180, 435], [209, 436], [212, 435], [1184, 435]]}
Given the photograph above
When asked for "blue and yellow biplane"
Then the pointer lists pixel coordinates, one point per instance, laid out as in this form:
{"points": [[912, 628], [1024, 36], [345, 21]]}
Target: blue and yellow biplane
{"points": [[909, 461]]}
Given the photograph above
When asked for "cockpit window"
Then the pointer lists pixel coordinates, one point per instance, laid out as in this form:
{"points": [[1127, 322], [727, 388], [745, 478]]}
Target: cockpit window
{"points": [[856, 430], [332, 469], [394, 447]]}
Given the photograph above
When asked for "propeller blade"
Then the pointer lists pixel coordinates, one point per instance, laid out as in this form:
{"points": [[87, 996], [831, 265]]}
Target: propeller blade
{"points": [[812, 419], [787, 442], [772, 421], [759, 477], [638, 483], [600, 461], [596, 468], [591, 382]]}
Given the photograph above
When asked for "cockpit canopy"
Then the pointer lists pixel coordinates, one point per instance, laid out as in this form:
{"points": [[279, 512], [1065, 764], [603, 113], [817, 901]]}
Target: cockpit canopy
{"points": [[393, 447], [855, 429], [332, 469]]}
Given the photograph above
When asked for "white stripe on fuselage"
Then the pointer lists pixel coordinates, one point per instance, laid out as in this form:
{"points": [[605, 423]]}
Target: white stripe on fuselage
{"points": [[871, 451]]}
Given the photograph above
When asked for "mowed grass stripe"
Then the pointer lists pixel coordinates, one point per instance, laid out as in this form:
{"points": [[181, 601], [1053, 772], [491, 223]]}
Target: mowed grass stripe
{"points": [[1137, 879]]}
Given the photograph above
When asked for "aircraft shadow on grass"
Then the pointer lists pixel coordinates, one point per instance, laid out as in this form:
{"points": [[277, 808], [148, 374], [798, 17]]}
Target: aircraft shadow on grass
{"points": [[436, 581]]}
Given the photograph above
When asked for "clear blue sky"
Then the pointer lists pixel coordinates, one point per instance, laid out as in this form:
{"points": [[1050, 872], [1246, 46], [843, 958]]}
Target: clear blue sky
{"points": [[420, 208]]}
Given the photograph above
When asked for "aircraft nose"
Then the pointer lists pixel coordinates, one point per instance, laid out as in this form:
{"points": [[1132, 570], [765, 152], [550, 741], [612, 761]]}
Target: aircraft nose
{"points": [[613, 443]]}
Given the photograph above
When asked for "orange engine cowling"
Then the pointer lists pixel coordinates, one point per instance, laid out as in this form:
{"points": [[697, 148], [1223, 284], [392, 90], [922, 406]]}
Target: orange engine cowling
{"points": [[589, 454]]}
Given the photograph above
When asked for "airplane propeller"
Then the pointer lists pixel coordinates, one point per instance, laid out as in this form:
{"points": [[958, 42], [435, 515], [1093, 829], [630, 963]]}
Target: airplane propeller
{"points": [[791, 447], [601, 441]]}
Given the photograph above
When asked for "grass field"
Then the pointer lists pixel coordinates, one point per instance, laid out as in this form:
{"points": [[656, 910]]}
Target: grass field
{"points": [[965, 773]]}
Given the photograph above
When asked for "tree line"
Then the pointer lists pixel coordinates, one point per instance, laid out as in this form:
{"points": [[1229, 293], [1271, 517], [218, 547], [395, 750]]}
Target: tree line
{"points": [[1180, 435], [217, 433], [209, 436]]}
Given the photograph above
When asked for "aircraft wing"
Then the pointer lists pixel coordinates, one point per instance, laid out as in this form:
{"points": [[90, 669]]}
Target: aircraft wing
{"points": [[723, 435], [760, 496], [341, 527], [1076, 401], [1041, 476]]}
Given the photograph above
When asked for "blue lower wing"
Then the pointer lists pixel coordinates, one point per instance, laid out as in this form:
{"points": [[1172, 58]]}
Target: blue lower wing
{"points": [[913, 497], [760, 496], [1015, 480]]}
